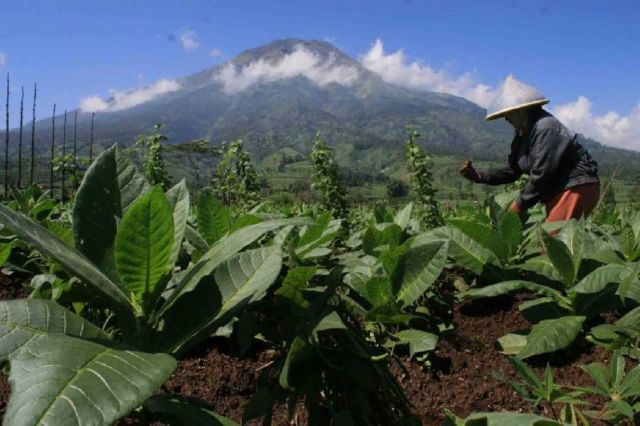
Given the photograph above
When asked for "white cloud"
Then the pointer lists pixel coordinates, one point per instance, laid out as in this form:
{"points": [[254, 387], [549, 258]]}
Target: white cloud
{"points": [[215, 52], [301, 62], [611, 128], [122, 100], [395, 68], [3, 59], [188, 40]]}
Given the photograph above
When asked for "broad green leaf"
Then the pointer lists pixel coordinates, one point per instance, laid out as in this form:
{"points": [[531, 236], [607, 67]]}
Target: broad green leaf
{"points": [[422, 267], [467, 253], [295, 282], [506, 287], [542, 309], [316, 237], [512, 343], [42, 209], [597, 280], [178, 198], [174, 409], [631, 319], [73, 261], [247, 276], [108, 188], [384, 234], [627, 242], [552, 335], [5, 252], [509, 419], [213, 218], [403, 216], [592, 304], [378, 291], [573, 236], [57, 379], [21, 320], [419, 341], [629, 281], [195, 239], [331, 321], [485, 236], [223, 250], [560, 256], [241, 279], [542, 265], [510, 228], [143, 246], [299, 351], [65, 234], [244, 220]]}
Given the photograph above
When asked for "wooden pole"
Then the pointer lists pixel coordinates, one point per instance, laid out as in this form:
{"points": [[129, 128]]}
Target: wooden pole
{"points": [[64, 154], [75, 150], [93, 114], [33, 136], [6, 146], [20, 139], [53, 144]]}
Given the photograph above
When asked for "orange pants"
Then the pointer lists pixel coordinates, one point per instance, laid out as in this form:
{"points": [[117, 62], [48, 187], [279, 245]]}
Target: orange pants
{"points": [[574, 202]]}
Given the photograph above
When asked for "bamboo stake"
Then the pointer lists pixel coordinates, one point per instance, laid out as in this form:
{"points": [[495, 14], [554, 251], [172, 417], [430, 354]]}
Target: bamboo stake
{"points": [[64, 154], [33, 135], [20, 139], [6, 146], [53, 143]]}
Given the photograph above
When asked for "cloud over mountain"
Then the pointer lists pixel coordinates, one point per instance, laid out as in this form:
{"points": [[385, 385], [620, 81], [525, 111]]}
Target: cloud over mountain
{"points": [[301, 62], [395, 68], [122, 100], [611, 128]]}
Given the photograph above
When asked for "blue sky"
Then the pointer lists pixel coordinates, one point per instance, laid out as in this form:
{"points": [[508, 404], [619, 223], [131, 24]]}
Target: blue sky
{"points": [[583, 55]]}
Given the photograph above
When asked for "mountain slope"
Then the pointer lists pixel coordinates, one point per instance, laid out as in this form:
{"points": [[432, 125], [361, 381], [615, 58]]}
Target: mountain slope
{"points": [[279, 95]]}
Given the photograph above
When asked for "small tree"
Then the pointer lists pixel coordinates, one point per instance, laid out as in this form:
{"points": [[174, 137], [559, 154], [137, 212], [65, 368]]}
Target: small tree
{"points": [[235, 181], [326, 179], [397, 188], [155, 169], [419, 164]]}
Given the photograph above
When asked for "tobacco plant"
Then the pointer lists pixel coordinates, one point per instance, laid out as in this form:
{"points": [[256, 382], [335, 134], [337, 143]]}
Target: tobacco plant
{"points": [[573, 290], [155, 169], [326, 179], [388, 275], [419, 165], [127, 238], [235, 181]]}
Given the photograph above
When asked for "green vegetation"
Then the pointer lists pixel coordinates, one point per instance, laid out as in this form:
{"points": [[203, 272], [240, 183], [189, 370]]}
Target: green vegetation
{"points": [[133, 274]]}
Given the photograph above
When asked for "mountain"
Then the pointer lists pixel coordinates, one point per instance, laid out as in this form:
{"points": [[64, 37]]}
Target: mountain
{"points": [[276, 97]]}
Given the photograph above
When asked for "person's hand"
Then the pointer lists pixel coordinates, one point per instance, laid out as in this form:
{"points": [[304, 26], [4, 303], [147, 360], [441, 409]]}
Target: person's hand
{"points": [[515, 207], [468, 172]]}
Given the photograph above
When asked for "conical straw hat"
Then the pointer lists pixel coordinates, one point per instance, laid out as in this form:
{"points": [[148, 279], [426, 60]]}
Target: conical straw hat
{"points": [[512, 95]]}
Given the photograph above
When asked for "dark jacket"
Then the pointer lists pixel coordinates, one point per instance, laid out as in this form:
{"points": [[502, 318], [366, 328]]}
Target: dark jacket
{"points": [[552, 158]]}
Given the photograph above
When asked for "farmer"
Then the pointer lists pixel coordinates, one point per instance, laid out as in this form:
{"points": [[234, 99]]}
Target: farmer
{"points": [[562, 175]]}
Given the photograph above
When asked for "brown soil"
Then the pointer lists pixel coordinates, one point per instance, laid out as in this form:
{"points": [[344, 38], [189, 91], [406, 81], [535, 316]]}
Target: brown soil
{"points": [[459, 378]]}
